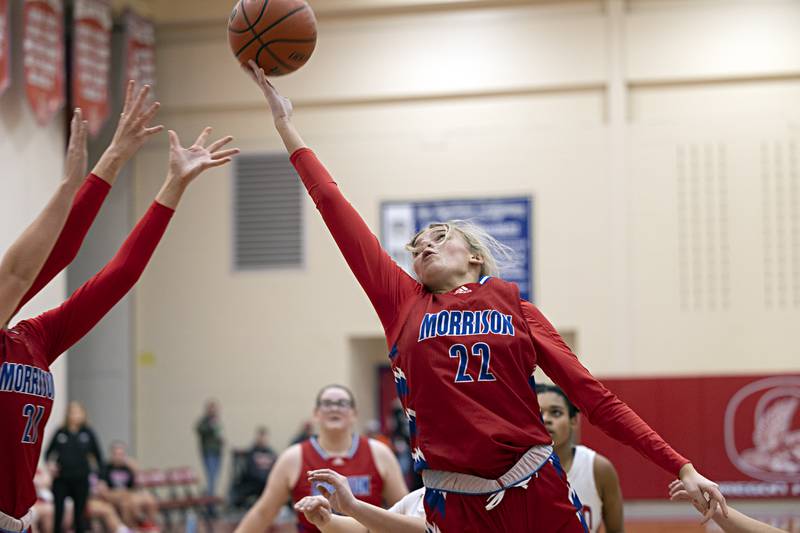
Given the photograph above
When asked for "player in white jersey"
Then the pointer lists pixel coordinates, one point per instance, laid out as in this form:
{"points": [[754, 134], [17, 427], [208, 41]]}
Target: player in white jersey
{"points": [[590, 475]]}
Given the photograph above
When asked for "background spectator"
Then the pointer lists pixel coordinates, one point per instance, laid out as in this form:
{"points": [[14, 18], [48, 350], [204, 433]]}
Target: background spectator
{"points": [[209, 431], [72, 455]]}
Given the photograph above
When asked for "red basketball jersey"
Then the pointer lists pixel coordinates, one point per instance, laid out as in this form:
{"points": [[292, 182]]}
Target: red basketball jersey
{"points": [[358, 466], [26, 399], [463, 363]]}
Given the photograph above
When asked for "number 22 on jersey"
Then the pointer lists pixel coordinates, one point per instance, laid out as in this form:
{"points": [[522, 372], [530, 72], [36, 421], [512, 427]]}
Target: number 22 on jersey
{"points": [[480, 349], [33, 414]]}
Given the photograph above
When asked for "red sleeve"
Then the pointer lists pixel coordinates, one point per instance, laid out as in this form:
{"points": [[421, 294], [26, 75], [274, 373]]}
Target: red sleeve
{"points": [[600, 406], [386, 284], [84, 209], [65, 325]]}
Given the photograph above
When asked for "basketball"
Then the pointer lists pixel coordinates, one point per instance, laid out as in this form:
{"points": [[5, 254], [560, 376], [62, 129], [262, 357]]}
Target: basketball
{"points": [[279, 35]]}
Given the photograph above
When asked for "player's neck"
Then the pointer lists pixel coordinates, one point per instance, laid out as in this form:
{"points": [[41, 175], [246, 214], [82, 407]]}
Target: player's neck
{"points": [[336, 442], [565, 453]]}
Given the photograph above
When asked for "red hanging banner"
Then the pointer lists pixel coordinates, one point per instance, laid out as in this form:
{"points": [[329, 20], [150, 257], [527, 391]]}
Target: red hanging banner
{"points": [[43, 53], [92, 60], [5, 48], [140, 36]]}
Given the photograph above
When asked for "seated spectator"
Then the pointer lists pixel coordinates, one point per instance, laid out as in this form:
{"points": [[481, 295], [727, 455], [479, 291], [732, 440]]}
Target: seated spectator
{"points": [[139, 508], [258, 464], [44, 509]]}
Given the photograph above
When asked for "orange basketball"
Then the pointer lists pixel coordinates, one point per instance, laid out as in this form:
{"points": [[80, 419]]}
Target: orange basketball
{"points": [[279, 35]]}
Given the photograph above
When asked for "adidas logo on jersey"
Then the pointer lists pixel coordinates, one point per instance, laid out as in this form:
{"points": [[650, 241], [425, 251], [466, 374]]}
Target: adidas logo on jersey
{"points": [[462, 290]]}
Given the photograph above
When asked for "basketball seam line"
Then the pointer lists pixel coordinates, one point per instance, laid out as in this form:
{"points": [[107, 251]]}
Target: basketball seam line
{"points": [[259, 35], [247, 20], [276, 58]]}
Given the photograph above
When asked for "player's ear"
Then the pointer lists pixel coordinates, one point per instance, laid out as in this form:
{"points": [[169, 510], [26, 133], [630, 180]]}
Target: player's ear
{"points": [[476, 259]]}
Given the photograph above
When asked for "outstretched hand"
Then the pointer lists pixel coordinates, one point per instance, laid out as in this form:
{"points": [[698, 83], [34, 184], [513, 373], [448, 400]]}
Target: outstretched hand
{"points": [[77, 154], [280, 106], [185, 164], [316, 509], [133, 130], [335, 488], [702, 492]]}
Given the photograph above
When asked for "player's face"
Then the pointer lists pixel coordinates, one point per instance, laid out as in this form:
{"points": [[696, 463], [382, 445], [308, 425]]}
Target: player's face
{"points": [[438, 257], [335, 410], [556, 417]]}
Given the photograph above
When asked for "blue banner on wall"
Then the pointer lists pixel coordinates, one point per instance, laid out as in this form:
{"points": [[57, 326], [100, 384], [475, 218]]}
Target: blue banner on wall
{"points": [[507, 219]]}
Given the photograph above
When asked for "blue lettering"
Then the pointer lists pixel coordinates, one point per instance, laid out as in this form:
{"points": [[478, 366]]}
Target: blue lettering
{"points": [[485, 321], [20, 373], [442, 323], [360, 485], [37, 374], [428, 327], [497, 322], [7, 376], [26, 386], [468, 327], [508, 325], [455, 323]]}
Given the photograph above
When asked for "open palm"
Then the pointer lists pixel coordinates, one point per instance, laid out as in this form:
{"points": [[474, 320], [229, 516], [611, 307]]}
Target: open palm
{"points": [[186, 164]]}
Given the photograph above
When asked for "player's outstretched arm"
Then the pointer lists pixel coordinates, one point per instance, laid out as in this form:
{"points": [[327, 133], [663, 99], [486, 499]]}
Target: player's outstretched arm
{"points": [[276, 493], [385, 283], [24, 259], [734, 522], [131, 133], [281, 108], [608, 412], [375, 519], [61, 327]]}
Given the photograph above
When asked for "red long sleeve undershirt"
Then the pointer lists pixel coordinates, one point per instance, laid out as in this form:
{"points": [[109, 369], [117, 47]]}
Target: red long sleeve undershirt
{"points": [[389, 289], [60, 328], [85, 207]]}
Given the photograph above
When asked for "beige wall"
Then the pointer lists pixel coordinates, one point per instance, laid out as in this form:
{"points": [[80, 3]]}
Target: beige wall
{"points": [[32, 158], [662, 238]]}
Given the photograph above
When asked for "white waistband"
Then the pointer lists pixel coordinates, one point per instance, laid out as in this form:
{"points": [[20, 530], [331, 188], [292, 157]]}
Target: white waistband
{"points": [[9, 523], [526, 467]]}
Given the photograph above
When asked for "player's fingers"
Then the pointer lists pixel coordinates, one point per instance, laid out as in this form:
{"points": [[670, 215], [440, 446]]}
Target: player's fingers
{"points": [[138, 103], [680, 495], [219, 143], [201, 140], [148, 115], [216, 163], [154, 130], [126, 107], [174, 141], [224, 153], [717, 497]]}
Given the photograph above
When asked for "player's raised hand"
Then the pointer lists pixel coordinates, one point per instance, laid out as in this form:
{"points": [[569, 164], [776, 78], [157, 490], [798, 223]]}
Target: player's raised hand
{"points": [[316, 509], [133, 128], [280, 106], [335, 488], [185, 164], [77, 154], [703, 493]]}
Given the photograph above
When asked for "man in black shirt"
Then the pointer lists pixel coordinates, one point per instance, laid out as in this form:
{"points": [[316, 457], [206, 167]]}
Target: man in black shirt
{"points": [[257, 466]]}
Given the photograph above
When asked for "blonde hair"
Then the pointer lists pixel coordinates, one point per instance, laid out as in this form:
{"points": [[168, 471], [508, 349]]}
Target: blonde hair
{"points": [[496, 255]]}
